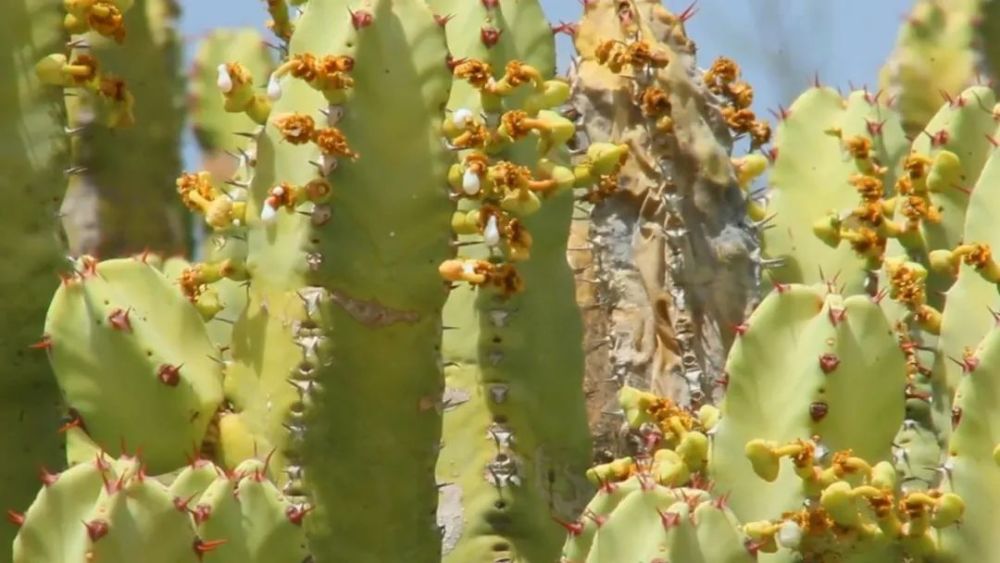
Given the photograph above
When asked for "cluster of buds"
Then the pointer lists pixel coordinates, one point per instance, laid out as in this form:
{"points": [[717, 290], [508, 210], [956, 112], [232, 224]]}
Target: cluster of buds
{"points": [[672, 445], [299, 129], [82, 70], [222, 211], [503, 192], [503, 276], [868, 226], [288, 196], [907, 285], [237, 87], [851, 504], [723, 79], [105, 17], [329, 75]]}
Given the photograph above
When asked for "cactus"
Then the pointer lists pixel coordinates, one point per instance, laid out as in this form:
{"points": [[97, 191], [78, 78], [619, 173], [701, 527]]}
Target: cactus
{"points": [[676, 216], [109, 509], [933, 57], [116, 205], [34, 157], [508, 459], [379, 357]]}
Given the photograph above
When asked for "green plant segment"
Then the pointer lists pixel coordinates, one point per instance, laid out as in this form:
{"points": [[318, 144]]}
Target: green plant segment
{"points": [[330, 308], [378, 355], [106, 509], [33, 159], [510, 457], [116, 205], [934, 57]]}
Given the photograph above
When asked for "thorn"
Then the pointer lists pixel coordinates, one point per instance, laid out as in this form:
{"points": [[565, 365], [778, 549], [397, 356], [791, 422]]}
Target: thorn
{"points": [[443, 20], [96, 529], [169, 375], [573, 528], [47, 479], [44, 344], [782, 113], [669, 519], [741, 329], [688, 12], [816, 82], [201, 547], [119, 320], [15, 518], [296, 512], [874, 127]]}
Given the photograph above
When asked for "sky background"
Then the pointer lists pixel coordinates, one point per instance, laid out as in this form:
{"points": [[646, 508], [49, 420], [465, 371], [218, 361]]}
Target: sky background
{"points": [[780, 44]]}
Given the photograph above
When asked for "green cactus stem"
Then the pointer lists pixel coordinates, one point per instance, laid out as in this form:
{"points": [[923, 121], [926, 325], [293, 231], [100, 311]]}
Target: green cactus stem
{"points": [[34, 158], [119, 205]]}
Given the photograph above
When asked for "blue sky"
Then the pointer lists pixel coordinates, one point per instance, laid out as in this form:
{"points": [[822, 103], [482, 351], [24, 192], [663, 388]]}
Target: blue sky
{"points": [[781, 44]]}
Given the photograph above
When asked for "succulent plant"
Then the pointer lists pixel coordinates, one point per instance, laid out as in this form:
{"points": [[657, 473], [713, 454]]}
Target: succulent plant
{"points": [[378, 353]]}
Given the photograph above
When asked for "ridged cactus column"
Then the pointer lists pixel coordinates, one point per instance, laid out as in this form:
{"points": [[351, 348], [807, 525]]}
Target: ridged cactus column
{"points": [[32, 159], [121, 200], [515, 442], [349, 220], [677, 219]]}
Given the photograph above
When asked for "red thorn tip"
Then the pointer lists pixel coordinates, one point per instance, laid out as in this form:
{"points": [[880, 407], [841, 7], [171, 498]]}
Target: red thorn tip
{"points": [[688, 12], [741, 329], [201, 513], [490, 35], [361, 18], [818, 411], [597, 518], [569, 29], [608, 486], [443, 20], [75, 423], [296, 512], [48, 479], [837, 316], [874, 127], [723, 381], [182, 504], [939, 138], [44, 344], [573, 528], [772, 154], [169, 375], [96, 529], [89, 266], [669, 519], [780, 287], [970, 363], [144, 255], [782, 113], [119, 320], [15, 518], [828, 362], [722, 502], [993, 140], [201, 547], [490, 4]]}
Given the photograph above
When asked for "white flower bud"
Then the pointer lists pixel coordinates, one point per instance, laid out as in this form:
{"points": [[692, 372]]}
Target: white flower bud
{"points": [[225, 82], [470, 182]]}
